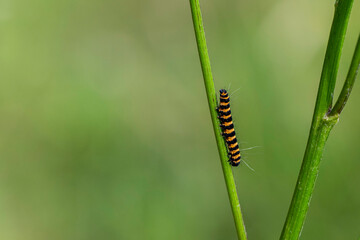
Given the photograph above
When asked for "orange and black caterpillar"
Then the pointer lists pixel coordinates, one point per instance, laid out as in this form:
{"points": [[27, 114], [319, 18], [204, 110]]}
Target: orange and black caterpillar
{"points": [[227, 126]]}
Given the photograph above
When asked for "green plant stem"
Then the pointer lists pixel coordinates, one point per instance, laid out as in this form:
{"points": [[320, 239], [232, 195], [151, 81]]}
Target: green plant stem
{"points": [[321, 126], [349, 82], [211, 97]]}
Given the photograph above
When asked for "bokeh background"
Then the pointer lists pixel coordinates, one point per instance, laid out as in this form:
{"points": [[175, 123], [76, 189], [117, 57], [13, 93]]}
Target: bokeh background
{"points": [[105, 130]]}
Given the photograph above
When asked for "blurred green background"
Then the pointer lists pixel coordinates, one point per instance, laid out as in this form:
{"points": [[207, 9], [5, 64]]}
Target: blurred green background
{"points": [[105, 130]]}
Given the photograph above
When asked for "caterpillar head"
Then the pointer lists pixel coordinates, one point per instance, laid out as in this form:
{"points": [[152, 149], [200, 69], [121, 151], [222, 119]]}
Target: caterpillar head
{"points": [[223, 92]]}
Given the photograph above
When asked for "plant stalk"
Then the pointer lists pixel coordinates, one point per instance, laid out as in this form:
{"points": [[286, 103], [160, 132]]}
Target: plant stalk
{"points": [[212, 101], [321, 126]]}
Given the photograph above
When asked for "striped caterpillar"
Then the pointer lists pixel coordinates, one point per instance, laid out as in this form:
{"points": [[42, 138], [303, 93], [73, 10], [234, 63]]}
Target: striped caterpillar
{"points": [[227, 126]]}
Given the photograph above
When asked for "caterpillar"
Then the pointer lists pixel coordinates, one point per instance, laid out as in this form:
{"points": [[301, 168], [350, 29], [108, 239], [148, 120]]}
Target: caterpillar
{"points": [[227, 126]]}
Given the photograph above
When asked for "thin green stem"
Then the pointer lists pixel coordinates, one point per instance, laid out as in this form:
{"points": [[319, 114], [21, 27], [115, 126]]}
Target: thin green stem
{"points": [[211, 97], [321, 125], [349, 82]]}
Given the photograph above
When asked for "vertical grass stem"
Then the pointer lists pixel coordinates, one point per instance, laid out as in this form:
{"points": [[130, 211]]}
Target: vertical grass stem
{"points": [[211, 97]]}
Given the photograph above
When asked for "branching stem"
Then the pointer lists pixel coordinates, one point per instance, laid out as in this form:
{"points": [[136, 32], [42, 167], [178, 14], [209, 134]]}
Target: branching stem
{"points": [[324, 119], [349, 82]]}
